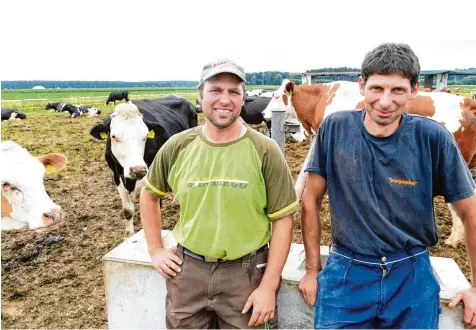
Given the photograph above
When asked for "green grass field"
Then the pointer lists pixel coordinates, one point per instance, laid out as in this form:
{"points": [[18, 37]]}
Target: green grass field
{"points": [[30, 101]]}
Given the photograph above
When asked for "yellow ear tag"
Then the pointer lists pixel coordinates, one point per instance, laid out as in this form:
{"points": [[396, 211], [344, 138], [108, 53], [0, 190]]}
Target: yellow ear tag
{"points": [[50, 169], [103, 135], [151, 135]]}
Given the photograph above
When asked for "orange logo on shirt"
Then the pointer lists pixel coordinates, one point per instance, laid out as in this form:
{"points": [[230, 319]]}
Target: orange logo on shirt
{"points": [[402, 182]]}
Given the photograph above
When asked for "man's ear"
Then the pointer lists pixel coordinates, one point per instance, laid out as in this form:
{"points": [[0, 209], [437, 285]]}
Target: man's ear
{"points": [[362, 86], [100, 131], [415, 90], [199, 97]]}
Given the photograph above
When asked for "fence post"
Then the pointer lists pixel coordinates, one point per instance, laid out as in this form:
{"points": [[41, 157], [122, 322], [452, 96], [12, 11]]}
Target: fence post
{"points": [[277, 127]]}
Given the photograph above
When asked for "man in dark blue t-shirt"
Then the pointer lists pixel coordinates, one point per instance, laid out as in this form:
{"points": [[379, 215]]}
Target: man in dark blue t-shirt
{"points": [[382, 168]]}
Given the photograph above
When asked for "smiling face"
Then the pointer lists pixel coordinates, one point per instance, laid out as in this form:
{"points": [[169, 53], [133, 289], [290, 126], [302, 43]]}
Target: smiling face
{"points": [[222, 98], [385, 99]]}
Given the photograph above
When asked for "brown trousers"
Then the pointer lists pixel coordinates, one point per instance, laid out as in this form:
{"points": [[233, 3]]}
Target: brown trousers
{"points": [[207, 295]]}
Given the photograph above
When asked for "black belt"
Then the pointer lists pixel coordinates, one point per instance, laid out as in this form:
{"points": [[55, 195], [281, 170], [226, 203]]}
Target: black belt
{"points": [[208, 259]]}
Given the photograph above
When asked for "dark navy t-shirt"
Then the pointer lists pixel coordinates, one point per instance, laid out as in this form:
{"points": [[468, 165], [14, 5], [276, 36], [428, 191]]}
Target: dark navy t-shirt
{"points": [[381, 189]]}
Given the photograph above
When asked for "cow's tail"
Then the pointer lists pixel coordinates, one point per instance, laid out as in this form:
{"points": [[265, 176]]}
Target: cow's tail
{"points": [[302, 177]]}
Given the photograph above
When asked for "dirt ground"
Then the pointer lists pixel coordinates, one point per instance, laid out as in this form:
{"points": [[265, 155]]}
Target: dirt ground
{"points": [[55, 279]]}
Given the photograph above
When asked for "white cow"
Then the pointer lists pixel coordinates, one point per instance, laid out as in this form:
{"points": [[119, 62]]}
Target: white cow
{"points": [[254, 92], [25, 202]]}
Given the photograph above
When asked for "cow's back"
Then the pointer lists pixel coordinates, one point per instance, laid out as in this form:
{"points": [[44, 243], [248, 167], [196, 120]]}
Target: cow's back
{"points": [[174, 114], [252, 110]]}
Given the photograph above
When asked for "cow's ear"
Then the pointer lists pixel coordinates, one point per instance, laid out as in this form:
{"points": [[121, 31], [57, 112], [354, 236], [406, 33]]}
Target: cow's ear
{"points": [[101, 130], [53, 162], [154, 127], [289, 88]]}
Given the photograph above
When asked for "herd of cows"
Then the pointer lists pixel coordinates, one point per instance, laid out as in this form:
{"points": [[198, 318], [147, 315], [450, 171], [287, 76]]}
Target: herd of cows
{"points": [[74, 110], [137, 129]]}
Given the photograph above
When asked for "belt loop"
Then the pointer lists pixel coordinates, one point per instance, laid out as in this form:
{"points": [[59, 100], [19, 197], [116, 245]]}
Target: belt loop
{"points": [[246, 261], [411, 254], [180, 253]]}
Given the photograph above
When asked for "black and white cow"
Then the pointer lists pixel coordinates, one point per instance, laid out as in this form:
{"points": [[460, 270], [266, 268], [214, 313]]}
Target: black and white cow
{"points": [[117, 96], [56, 106], [79, 110], [12, 114], [252, 113], [88, 110], [135, 131], [254, 92]]}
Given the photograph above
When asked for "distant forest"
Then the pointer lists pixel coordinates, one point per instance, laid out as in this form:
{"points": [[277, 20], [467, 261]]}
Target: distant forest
{"points": [[272, 78], [28, 84]]}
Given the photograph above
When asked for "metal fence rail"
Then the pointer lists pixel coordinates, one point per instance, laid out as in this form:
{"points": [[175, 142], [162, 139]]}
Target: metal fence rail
{"points": [[39, 104]]}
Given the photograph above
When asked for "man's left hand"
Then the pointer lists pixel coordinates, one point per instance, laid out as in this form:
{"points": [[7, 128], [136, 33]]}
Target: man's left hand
{"points": [[263, 301], [469, 299]]}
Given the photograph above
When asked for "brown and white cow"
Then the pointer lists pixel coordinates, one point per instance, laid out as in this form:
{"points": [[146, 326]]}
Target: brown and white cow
{"points": [[25, 202], [311, 104]]}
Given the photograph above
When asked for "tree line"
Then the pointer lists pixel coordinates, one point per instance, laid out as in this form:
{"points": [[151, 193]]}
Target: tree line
{"points": [[273, 78], [28, 84]]}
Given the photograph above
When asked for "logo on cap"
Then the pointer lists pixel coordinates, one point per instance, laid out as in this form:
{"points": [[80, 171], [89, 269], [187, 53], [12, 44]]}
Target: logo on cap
{"points": [[219, 63]]}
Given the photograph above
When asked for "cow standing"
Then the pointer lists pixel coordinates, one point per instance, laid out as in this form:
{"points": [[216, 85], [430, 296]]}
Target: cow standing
{"points": [[135, 132], [25, 202], [117, 96], [12, 114], [311, 104]]}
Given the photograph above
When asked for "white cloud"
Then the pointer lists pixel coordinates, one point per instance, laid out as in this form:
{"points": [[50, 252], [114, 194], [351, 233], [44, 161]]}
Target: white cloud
{"points": [[158, 40]]}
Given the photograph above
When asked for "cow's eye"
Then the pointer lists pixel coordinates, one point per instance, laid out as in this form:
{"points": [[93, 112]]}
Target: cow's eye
{"points": [[115, 138]]}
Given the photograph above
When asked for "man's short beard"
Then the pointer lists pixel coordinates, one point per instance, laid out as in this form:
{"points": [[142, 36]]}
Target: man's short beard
{"points": [[212, 120]]}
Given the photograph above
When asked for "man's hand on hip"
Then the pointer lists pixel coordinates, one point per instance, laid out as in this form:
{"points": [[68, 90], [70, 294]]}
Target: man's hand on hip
{"points": [[165, 261]]}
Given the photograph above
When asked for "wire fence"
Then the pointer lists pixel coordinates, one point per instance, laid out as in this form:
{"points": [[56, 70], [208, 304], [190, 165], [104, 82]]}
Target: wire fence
{"points": [[97, 101]]}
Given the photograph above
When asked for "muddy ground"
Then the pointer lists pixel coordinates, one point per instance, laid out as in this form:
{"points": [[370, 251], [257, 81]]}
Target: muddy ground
{"points": [[55, 280]]}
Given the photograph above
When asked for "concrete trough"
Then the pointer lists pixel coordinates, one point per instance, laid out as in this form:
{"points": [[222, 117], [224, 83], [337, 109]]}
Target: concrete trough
{"points": [[135, 291]]}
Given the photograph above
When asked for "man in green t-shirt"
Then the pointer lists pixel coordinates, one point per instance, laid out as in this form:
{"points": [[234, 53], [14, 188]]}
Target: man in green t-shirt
{"points": [[236, 195]]}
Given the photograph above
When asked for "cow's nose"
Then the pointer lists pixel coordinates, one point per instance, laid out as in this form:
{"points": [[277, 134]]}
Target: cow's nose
{"points": [[138, 172], [54, 215]]}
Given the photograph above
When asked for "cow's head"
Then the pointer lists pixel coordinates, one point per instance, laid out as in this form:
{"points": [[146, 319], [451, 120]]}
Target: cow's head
{"points": [[282, 100], [93, 111], [127, 132], [49, 106], [24, 199]]}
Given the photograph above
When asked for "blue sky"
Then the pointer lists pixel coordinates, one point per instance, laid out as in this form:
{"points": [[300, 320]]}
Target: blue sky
{"points": [[153, 40]]}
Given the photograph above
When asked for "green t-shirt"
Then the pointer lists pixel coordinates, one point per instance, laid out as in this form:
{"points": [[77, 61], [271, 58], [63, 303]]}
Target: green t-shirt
{"points": [[228, 193]]}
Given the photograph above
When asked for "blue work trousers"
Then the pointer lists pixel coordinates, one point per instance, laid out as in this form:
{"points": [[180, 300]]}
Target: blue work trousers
{"points": [[393, 291]]}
